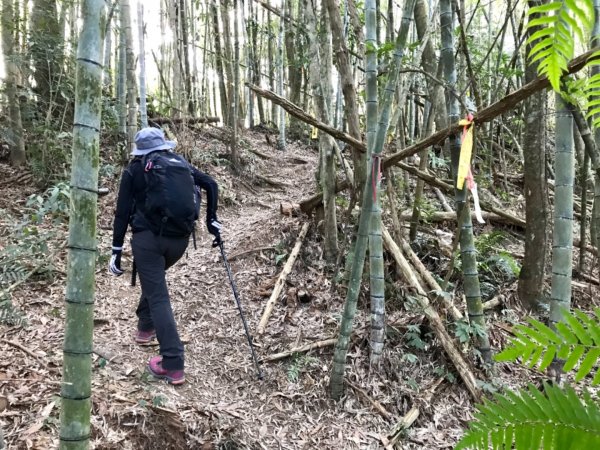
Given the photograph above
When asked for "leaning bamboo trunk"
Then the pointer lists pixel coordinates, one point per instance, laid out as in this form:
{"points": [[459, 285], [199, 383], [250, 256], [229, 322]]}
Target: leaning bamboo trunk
{"points": [[467, 247], [336, 383], [76, 389]]}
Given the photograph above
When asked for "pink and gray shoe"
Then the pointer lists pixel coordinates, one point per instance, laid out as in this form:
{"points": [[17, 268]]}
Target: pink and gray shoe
{"points": [[156, 369], [144, 337]]}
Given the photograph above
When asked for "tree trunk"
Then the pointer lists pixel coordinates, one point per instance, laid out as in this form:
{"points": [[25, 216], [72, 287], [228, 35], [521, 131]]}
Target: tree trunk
{"points": [[235, 158], [467, 247], [15, 129], [47, 53], [228, 58], [142, 61], [122, 76], [219, 64], [176, 86], [280, 76], [294, 67], [437, 106], [320, 76], [347, 81], [531, 277], [76, 388], [131, 84], [187, 74], [255, 61]]}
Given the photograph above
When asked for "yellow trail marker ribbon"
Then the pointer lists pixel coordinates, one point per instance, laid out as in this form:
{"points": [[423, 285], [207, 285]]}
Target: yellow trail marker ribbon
{"points": [[315, 133], [466, 149]]}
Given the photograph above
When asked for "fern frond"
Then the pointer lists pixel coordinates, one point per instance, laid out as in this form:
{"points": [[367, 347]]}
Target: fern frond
{"points": [[576, 340], [553, 419], [554, 43], [11, 273], [592, 95], [9, 314]]}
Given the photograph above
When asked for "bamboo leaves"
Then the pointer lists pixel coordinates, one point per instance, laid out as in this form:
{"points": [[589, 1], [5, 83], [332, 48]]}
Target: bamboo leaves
{"points": [[553, 419], [576, 340], [554, 43]]}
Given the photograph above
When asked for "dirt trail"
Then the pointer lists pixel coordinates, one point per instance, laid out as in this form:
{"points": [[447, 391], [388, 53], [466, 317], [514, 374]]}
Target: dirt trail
{"points": [[223, 405]]}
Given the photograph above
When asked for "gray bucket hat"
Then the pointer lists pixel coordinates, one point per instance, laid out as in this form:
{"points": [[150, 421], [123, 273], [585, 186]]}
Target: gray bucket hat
{"points": [[149, 140]]}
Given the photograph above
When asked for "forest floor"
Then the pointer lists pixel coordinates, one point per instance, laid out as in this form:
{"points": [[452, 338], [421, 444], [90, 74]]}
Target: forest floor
{"points": [[223, 405]]}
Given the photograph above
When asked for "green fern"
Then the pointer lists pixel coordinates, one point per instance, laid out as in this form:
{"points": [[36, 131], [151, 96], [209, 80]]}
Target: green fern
{"points": [[11, 273], [9, 315], [576, 341], [592, 93], [554, 41], [553, 419]]}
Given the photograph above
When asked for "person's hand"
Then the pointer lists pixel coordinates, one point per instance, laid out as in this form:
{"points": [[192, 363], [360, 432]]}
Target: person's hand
{"points": [[114, 266], [214, 228]]}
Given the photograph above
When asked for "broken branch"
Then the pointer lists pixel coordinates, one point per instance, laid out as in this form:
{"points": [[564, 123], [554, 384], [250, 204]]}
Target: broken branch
{"points": [[281, 280]]}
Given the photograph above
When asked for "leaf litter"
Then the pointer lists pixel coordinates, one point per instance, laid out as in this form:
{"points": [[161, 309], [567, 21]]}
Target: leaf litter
{"points": [[223, 405]]}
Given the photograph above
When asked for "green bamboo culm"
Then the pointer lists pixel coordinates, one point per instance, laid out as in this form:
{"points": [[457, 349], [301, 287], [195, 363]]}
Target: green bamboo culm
{"points": [[377, 280], [562, 246], [370, 73], [467, 245], [77, 350], [336, 383]]}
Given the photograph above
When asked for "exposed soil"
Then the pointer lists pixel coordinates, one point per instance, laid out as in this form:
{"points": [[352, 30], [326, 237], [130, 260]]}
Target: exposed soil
{"points": [[223, 405]]}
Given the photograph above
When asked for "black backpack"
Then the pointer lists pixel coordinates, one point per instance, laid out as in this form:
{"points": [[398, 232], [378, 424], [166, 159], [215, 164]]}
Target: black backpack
{"points": [[172, 199]]}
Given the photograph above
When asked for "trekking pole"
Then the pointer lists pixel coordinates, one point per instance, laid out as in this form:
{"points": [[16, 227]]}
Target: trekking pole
{"points": [[219, 243]]}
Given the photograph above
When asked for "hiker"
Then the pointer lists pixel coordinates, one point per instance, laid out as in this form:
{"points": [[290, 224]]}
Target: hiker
{"points": [[159, 241]]}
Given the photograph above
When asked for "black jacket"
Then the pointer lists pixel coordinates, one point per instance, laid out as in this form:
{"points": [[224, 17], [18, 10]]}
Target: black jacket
{"points": [[132, 191]]}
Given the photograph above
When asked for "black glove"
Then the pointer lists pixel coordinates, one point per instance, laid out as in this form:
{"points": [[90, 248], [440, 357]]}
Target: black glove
{"points": [[114, 266], [214, 228]]}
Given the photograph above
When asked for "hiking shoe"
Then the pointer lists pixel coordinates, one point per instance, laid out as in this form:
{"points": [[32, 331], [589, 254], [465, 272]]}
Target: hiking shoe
{"points": [[144, 337], [171, 376]]}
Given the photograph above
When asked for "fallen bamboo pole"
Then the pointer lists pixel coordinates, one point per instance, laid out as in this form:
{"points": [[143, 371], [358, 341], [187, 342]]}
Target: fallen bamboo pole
{"points": [[281, 280], [435, 321], [433, 284], [302, 349], [410, 417]]}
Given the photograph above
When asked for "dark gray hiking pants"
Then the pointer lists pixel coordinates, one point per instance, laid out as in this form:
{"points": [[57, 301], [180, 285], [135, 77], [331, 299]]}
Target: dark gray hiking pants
{"points": [[153, 256]]}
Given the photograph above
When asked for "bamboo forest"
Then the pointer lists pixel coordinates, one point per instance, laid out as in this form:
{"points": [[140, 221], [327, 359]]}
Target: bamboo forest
{"points": [[300, 224]]}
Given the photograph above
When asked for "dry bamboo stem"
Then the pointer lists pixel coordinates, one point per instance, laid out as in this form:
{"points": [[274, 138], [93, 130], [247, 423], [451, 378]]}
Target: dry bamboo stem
{"points": [[435, 320], [410, 417], [433, 284], [384, 412], [301, 349], [492, 303], [281, 280]]}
